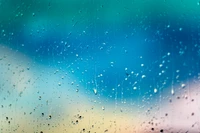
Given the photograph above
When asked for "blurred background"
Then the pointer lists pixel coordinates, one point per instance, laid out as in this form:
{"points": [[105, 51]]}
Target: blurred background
{"points": [[117, 66]]}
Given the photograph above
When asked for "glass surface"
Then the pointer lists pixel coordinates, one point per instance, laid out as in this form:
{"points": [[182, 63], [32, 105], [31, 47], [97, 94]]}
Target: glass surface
{"points": [[95, 66]]}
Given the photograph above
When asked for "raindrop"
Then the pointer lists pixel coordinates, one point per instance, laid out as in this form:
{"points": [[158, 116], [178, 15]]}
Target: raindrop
{"points": [[95, 91], [172, 91], [183, 85], [143, 76], [155, 90], [192, 114]]}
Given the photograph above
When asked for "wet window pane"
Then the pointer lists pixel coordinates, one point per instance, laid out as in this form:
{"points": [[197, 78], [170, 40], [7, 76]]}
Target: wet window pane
{"points": [[95, 66]]}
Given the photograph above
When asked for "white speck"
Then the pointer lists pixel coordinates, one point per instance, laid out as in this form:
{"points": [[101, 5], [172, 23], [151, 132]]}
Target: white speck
{"points": [[143, 76], [168, 26], [95, 91], [180, 29], [126, 69], [155, 90], [132, 72], [183, 85], [134, 88], [142, 65], [172, 91], [160, 65], [103, 108], [168, 54]]}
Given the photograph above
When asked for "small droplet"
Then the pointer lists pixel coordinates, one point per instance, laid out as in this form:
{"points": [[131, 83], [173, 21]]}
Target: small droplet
{"points": [[155, 90], [183, 85], [143, 76], [172, 91], [192, 114], [95, 91]]}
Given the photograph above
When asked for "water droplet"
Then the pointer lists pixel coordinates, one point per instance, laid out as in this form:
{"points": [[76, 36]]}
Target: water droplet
{"points": [[143, 76], [155, 90], [172, 91], [183, 85], [95, 91], [192, 114]]}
